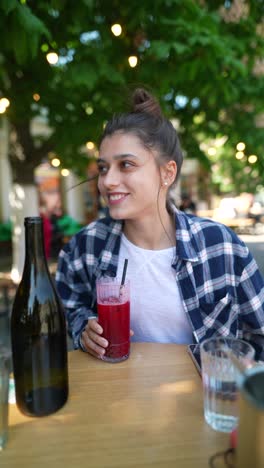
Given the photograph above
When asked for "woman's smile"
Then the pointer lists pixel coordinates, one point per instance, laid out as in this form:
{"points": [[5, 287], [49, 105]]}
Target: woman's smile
{"points": [[115, 198]]}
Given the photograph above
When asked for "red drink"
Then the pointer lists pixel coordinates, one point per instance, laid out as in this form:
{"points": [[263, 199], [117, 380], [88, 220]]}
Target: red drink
{"points": [[115, 321], [113, 307]]}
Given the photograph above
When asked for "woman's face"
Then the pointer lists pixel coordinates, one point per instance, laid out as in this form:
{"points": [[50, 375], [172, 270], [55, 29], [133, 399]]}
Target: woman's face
{"points": [[129, 178]]}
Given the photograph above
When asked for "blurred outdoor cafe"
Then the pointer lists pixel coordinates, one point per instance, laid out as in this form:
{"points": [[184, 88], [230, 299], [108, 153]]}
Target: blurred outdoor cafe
{"points": [[244, 213]]}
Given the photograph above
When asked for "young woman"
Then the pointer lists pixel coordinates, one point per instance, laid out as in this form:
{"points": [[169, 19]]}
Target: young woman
{"points": [[191, 278]]}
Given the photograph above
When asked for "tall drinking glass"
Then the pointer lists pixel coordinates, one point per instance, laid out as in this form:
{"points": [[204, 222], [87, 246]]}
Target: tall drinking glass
{"points": [[220, 378], [113, 307]]}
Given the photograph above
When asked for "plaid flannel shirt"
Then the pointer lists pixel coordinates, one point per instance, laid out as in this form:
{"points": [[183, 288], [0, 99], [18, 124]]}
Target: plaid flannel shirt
{"points": [[221, 287]]}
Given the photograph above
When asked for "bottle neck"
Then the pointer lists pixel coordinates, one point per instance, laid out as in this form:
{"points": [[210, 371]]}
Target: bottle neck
{"points": [[34, 243]]}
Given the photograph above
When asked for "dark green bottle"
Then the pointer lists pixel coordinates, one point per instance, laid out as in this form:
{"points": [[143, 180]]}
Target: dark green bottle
{"points": [[38, 332]]}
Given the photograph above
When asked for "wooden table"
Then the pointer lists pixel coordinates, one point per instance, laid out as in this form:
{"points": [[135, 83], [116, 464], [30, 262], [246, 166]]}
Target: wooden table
{"points": [[143, 412]]}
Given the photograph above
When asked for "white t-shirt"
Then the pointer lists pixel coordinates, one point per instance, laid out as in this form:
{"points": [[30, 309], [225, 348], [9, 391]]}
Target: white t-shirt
{"points": [[156, 309]]}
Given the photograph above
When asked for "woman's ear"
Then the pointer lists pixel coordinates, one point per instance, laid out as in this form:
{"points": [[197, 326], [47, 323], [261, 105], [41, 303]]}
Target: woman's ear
{"points": [[169, 172]]}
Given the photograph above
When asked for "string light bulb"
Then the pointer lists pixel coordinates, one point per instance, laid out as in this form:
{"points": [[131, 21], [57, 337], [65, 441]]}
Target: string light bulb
{"points": [[133, 60], [5, 102], [55, 162], [252, 159], [240, 146], [211, 151], [90, 145], [52, 58], [239, 154], [116, 29], [65, 172]]}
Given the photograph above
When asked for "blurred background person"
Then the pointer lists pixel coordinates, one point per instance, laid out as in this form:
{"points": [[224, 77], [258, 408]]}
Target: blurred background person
{"points": [[187, 204]]}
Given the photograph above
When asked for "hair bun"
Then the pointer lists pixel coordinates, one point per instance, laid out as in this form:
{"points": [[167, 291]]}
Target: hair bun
{"points": [[143, 101]]}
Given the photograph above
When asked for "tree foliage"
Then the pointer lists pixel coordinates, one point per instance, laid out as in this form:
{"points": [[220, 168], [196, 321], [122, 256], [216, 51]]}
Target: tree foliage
{"points": [[202, 59]]}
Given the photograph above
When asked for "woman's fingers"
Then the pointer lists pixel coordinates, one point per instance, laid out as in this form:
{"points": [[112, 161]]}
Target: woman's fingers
{"points": [[91, 339], [94, 325], [90, 351], [91, 346], [94, 331], [99, 340]]}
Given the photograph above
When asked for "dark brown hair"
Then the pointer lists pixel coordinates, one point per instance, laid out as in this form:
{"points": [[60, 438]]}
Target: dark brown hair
{"points": [[148, 123]]}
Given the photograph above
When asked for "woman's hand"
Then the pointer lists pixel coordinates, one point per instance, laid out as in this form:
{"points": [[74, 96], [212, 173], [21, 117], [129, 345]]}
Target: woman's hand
{"points": [[92, 340]]}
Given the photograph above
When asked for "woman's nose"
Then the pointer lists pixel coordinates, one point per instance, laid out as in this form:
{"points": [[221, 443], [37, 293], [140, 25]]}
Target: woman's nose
{"points": [[111, 179]]}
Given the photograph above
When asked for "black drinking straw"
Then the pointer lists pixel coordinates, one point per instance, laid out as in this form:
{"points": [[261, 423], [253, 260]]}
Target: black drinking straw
{"points": [[124, 272], [123, 276]]}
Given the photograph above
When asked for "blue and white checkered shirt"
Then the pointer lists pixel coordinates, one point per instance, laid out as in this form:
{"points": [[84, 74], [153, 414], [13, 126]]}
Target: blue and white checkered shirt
{"points": [[221, 287]]}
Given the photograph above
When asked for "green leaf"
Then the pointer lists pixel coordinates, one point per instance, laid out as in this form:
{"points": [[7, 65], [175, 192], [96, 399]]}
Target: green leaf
{"points": [[180, 48], [160, 49], [30, 22], [19, 41], [82, 75], [8, 5], [88, 3]]}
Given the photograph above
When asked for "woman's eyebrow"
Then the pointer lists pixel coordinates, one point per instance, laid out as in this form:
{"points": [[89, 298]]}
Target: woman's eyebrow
{"points": [[118, 157]]}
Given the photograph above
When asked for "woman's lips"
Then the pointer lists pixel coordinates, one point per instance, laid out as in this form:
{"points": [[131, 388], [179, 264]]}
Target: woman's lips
{"points": [[115, 198]]}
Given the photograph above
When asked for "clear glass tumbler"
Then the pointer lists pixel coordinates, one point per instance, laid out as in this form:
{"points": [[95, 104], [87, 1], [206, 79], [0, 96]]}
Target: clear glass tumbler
{"points": [[220, 378]]}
